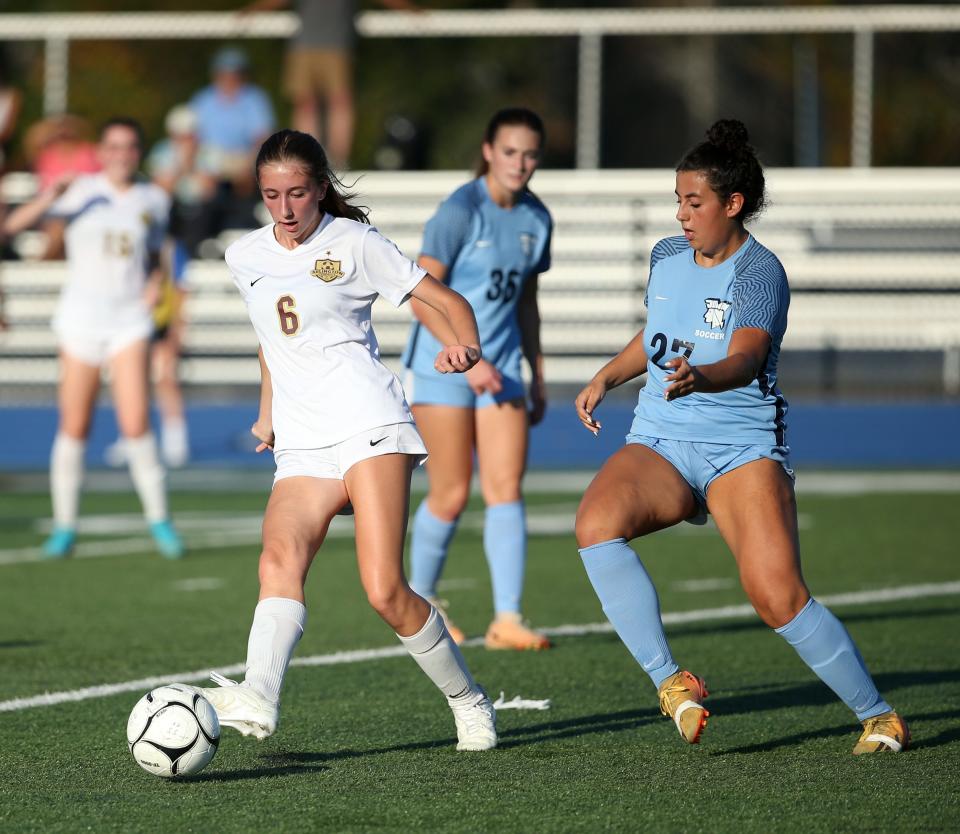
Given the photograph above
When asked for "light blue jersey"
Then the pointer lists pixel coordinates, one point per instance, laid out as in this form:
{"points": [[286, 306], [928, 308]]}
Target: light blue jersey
{"points": [[489, 252], [693, 311]]}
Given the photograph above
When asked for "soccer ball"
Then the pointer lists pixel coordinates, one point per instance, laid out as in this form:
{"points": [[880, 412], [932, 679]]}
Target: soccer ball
{"points": [[173, 731]]}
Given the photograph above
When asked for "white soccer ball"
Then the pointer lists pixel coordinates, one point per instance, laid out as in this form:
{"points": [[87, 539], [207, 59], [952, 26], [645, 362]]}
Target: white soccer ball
{"points": [[173, 731]]}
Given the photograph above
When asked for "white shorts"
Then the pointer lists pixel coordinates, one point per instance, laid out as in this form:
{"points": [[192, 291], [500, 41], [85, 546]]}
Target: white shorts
{"points": [[97, 349], [334, 461]]}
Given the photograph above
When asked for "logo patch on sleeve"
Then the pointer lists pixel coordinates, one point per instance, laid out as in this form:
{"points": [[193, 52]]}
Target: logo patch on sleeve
{"points": [[716, 312], [327, 270]]}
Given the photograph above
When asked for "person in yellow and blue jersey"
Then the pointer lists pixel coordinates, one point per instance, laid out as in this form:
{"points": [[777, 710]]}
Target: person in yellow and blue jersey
{"points": [[489, 240], [708, 435]]}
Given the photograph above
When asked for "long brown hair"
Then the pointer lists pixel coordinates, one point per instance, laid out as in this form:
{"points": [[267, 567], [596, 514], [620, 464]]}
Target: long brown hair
{"points": [[509, 116], [302, 150]]}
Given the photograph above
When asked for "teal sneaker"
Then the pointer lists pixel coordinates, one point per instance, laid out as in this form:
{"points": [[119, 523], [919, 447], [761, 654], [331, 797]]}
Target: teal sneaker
{"points": [[60, 543], [167, 539]]}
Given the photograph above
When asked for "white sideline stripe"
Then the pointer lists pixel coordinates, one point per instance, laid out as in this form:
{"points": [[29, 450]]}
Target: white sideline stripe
{"points": [[199, 583], [201, 533], [727, 612]]}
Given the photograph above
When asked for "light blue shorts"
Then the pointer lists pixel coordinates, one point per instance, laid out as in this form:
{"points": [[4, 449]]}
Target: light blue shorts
{"points": [[700, 463], [435, 390]]}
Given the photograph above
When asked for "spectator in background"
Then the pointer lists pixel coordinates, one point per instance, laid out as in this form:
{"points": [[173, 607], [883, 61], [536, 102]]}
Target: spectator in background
{"points": [[318, 71], [188, 172], [59, 147], [3, 245], [234, 116], [10, 100]]}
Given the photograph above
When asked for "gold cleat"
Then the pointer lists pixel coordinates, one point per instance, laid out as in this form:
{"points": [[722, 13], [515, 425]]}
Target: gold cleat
{"points": [[509, 632], [886, 733], [681, 698]]}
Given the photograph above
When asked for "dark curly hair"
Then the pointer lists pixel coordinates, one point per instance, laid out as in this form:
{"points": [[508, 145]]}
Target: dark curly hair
{"points": [[729, 163], [301, 149]]}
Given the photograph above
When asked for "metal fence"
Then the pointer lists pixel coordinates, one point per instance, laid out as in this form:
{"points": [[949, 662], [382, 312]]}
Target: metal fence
{"points": [[590, 26]]}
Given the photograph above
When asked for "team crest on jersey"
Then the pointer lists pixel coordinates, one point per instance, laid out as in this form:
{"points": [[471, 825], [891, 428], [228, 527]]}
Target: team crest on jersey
{"points": [[716, 312], [146, 218], [327, 270], [527, 242]]}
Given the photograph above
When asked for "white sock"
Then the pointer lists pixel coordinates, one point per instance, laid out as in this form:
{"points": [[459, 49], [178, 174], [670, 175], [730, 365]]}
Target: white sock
{"points": [[149, 476], [66, 478], [278, 624], [440, 658], [173, 442]]}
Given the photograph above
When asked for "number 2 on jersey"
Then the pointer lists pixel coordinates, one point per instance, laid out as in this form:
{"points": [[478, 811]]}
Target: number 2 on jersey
{"points": [[659, 341], [289, 320]]}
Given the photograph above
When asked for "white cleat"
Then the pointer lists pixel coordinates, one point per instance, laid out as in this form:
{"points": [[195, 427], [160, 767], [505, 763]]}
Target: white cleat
{"points": [[476, 722], [241, 707]]}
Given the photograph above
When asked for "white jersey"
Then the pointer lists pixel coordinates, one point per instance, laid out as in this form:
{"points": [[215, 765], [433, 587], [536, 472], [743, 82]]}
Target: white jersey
{"points": [[310, 307], [109, 237]]}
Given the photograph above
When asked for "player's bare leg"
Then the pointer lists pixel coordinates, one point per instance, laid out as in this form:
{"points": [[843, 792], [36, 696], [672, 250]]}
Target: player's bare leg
{"points": [[502, 437], [298, 514], [77, 393], [635, 493], [379, 490], [130, 385], [165, 362], [756, 513], [449, 433], [295, 524], [755, 510]]}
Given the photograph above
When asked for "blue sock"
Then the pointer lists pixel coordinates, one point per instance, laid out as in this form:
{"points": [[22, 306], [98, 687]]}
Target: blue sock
{"points": [[505, 543], [428, 550], [825, 646], [631, 604]]}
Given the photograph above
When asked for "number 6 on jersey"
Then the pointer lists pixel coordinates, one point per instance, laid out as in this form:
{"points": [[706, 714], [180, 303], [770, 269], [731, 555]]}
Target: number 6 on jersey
{"points": [[289, 320]]}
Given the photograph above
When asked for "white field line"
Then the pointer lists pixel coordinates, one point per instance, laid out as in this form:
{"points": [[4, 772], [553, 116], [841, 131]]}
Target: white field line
{"points": [[697, 585], [809, 481], [216, 530], [199, 583], [726, 612]]}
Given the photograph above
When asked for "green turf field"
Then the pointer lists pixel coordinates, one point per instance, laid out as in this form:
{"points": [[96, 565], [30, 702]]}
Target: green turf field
{"points": [[369, 746]]}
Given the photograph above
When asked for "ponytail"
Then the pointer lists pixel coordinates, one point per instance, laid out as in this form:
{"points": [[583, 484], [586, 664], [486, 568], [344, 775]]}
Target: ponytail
{"points": [[303, 151]]}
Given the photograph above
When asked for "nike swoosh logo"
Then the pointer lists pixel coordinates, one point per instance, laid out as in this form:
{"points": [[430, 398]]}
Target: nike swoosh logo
{"points": [[375, 442], [661, 298], [258, 279], [481, 244]]}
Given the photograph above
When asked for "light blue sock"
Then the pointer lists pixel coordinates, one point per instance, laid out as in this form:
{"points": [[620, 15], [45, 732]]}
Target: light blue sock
{"points": [[428, 550], [825, 646], [505, 543], [631, 604]]}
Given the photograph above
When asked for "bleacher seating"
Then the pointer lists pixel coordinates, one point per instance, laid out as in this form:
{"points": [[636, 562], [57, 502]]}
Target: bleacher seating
{"points": [[871, 256]]}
